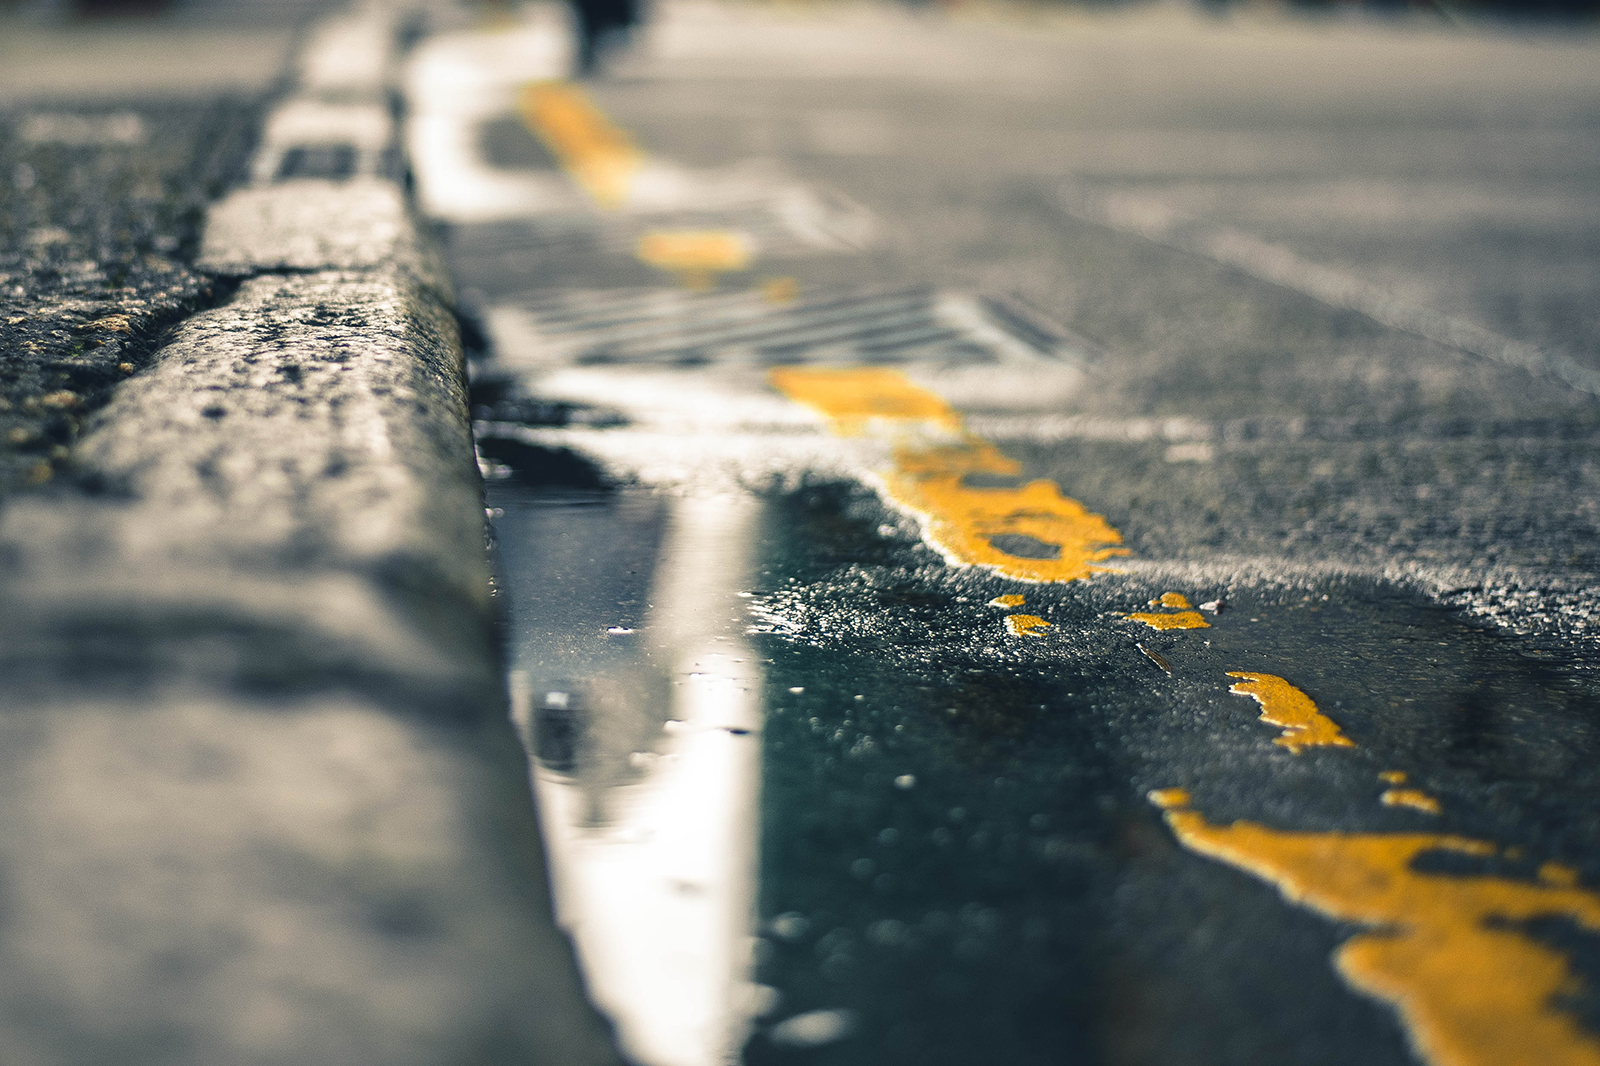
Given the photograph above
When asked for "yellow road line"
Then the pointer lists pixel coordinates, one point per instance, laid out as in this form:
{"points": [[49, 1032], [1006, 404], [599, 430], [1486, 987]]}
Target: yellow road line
{"points": [[696, 256], [1444, 949], [1284, 705], [933, 456], [598, 155], [601, 157]]}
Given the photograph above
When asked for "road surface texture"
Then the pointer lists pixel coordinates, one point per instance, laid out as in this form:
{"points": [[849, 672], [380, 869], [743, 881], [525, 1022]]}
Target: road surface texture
{"points": [[1077, 531], [1018, 535]]}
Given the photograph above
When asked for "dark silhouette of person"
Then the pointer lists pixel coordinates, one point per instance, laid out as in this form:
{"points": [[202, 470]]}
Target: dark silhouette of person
{"points": [[603, 26]]}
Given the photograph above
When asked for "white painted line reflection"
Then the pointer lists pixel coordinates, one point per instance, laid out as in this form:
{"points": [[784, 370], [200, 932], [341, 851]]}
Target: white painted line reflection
{"points": [[656, 882]]}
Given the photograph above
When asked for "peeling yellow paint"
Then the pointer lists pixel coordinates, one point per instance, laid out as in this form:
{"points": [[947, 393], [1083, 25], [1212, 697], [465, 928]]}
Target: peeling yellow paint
{"points": [[1441, 948], [1414, 798], [1393, 777], [1009, 600], [1172, 599], [1026, 625], [601, 158], [1174, 620], [933, 456], [1284, 705]]}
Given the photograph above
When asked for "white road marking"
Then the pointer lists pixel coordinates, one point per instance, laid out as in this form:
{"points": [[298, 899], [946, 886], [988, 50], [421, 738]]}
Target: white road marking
{"points": [[660, 895], [1280, 266]]}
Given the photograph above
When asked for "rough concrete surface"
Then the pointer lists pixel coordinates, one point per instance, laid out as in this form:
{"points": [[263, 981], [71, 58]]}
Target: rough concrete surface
{"points": [[313, 224], [295, 463], [264, 802], [101, 211]]}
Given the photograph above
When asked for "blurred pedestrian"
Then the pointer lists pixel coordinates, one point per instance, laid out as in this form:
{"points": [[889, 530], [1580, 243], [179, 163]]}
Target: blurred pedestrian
{"points": [[603, 27]]}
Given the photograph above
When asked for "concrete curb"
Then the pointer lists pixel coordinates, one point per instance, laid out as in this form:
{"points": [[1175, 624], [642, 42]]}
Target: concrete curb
{"points": [[267, 806]]}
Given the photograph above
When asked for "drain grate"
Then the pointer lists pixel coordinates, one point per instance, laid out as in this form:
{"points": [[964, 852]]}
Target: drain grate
{"points": [[672, 327]]}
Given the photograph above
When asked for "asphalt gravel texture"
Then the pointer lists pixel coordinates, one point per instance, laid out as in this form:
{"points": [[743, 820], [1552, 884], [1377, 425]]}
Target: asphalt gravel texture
{"points": [[101, 210]]}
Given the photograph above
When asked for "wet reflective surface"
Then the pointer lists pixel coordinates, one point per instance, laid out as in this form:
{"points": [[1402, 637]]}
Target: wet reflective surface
{"points": [[910, 680], [957, 855]]}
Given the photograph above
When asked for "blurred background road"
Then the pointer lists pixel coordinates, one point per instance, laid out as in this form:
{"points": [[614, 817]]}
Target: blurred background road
{"points": [[1026, 533]]}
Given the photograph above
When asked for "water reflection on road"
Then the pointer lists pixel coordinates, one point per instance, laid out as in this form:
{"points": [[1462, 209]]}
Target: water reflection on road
{"points": [[638, 696]]}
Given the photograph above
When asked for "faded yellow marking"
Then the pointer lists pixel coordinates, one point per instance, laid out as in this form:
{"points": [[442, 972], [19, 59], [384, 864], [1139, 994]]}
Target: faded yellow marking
{"points": [[933, 456], [600, 157], [1558, 874], [783, 290], [1393, 777], [1008, 600], [1284, 705], [697, 256], [1171, 599], [1414, 798], [1470, 990], [1175, 620], [857, 397], [1026, 625]]}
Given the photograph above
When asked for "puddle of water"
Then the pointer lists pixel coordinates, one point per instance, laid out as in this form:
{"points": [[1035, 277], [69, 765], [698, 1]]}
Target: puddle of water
{"points": [[639, 700]]}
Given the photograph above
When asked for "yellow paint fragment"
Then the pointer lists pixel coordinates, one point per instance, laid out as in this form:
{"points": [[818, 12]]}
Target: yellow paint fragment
{"points": [[1171, 599], [1174, 620], [1414, 798], [1026, 625], [1393, 777], [59, 400], [1284, 705], [783, 290], [714, 250], [1008, 600], [1170, 797], [1442, 949], [1558, 874], [933, 457], [601, 158], [697, 256]]}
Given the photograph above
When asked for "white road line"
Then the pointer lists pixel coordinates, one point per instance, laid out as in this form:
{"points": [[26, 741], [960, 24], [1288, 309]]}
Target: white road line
{"points": [[1280, 266], [659, 895]]}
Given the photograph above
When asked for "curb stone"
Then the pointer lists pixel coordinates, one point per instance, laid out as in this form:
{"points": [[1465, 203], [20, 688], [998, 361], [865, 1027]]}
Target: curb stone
{"points": [[265, 802]]}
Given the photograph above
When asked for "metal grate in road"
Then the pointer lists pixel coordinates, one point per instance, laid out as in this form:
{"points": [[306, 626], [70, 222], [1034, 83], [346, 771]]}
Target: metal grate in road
{"points": [[672, 327]]}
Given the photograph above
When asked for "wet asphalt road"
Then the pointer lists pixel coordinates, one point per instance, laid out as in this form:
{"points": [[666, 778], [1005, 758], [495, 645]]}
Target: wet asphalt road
{"points": [[1061, 837], [832, 765]]}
